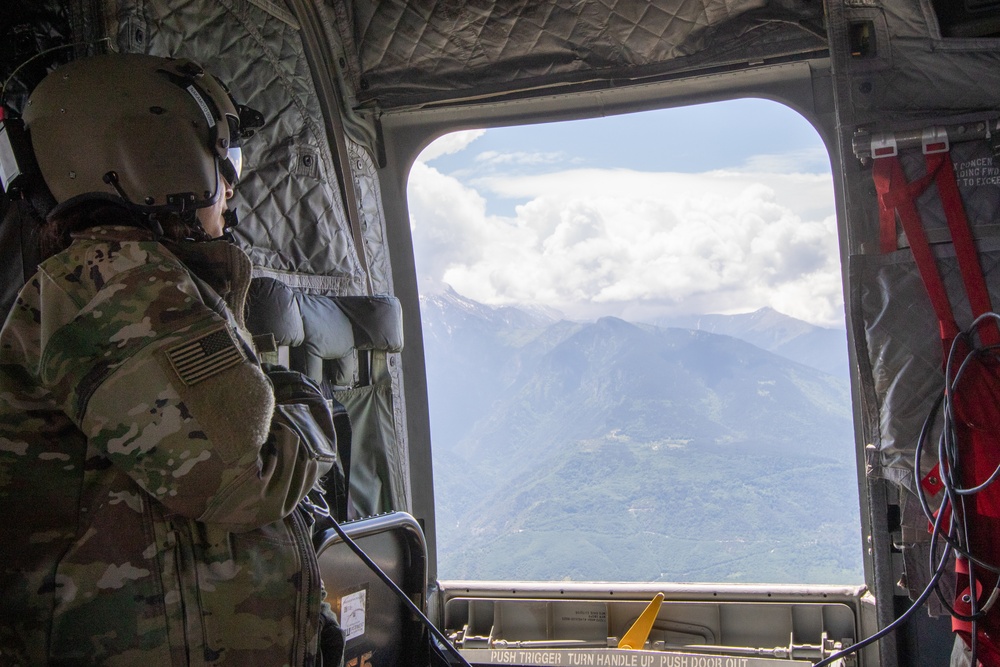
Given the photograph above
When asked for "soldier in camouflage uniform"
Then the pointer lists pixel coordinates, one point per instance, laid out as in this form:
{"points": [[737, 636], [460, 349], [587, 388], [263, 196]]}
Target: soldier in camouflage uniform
{"points": [[149, 472]]}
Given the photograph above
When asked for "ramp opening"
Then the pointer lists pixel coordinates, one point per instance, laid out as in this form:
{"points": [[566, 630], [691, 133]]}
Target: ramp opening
{"points": [[636, 355]]}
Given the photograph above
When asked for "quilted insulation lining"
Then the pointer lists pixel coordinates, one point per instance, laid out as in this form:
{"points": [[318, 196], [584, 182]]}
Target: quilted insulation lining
{"points": [[901, 335], [914, 70], [411, 51]]}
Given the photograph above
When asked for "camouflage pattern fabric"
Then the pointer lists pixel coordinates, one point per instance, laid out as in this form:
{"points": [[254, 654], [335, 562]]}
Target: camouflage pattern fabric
{"points": [[149, 497]]}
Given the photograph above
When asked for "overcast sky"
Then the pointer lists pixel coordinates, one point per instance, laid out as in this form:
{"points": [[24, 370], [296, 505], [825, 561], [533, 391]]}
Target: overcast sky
{"points": [[721, 208]]}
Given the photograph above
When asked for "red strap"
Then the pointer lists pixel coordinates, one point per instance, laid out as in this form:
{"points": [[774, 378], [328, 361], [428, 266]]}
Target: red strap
{"points": [[965, 249], [891, 184], [882, 175], [896, 196]]}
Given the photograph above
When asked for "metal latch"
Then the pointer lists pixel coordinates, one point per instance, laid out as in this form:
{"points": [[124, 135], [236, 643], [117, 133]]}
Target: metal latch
{"points": [[934, 140], [884, 145]]}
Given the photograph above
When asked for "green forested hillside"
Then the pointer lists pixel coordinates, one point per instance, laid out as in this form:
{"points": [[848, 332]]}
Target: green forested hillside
{"points": [[613, 451], [641, 511]]}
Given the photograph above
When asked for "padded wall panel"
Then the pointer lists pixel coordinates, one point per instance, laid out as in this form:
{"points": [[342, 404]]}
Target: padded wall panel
{"points": [[413, 51], [913, 69], [372, 218], [292, 217], [902, 363], [900, 351]]}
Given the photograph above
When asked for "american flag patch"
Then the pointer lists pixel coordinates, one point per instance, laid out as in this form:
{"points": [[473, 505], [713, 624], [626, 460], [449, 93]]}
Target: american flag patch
{"points": [[203, 357]]}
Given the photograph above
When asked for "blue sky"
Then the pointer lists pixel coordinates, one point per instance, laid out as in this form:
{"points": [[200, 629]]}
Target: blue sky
{"points": [[715, 208], [686, 139]]}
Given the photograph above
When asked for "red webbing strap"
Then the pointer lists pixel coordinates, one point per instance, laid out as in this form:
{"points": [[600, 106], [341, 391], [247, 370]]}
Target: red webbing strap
{"points": [[897, 196], [882, 175], [965, 248]]}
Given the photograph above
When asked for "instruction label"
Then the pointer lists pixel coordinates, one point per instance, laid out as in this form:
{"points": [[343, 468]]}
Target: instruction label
{"points": [[595, 615], [977, 172], [581, 620], [352, 614], [615, 658]]}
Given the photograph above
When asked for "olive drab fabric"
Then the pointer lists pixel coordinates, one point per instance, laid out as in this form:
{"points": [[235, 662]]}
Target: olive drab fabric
{"points": [[148, 483]]}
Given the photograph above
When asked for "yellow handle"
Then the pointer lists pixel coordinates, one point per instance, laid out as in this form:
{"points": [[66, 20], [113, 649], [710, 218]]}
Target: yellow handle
{"points": [[636, 636]]}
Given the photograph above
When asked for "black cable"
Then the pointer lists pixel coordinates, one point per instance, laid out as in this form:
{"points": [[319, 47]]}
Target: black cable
{"points": [[905, 616], [950, 461], [946, 445], [974, 645], [373, 566], [925, 430], [950, 464], [919, 489]]}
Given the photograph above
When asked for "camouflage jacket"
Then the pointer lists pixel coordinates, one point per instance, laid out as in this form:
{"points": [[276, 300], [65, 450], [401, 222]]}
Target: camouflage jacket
{"points": [[148, 480]]}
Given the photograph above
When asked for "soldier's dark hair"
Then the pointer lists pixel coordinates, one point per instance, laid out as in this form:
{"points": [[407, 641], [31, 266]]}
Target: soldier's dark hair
{"points": [[57, 232], [180, 226]]}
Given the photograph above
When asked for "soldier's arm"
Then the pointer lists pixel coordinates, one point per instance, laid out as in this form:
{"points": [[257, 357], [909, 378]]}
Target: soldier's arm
{"points": [[168, 393]]}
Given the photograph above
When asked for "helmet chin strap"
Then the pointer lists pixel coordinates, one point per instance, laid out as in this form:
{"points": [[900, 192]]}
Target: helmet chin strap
{"points": [[153, 225], [231, 219]]}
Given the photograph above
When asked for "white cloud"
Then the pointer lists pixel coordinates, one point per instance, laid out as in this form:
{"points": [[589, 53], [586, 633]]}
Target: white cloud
{"points": [[593, 242], [447, 220], [812, 160], [449, 144], [519, 157]]}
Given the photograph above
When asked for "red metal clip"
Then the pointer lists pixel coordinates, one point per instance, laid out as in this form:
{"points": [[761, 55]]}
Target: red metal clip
{"points": [[931, 483]]}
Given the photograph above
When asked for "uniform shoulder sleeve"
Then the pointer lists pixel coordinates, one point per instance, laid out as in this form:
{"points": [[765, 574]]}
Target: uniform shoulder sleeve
{"points": [[138, 297], [167, 392]]}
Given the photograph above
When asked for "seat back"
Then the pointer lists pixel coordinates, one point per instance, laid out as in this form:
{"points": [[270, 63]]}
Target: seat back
{"points": [[380, 630], [344, 343]]}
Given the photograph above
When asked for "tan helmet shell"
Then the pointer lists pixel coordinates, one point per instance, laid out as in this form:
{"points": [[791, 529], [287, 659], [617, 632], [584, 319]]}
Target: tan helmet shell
{"points": [[158, 124]]}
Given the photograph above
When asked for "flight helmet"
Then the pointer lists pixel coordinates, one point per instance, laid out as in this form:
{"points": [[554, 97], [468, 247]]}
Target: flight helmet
{"points": [[155, 133]]}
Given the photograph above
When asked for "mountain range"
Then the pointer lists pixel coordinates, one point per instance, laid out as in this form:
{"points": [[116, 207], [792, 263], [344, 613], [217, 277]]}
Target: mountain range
{"points": [[820, 347], [612, 450]]}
